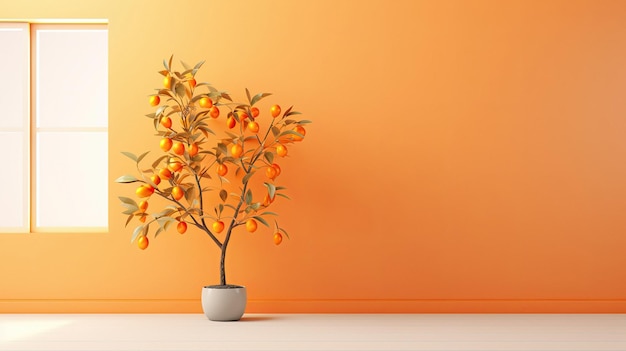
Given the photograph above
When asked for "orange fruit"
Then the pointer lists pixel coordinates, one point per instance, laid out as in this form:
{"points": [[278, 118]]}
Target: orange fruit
{"points": [[271, 172], [299, 129], [192, 83], [165, 174], [251, 225], [181, 227], [166, 144], [275, 110], [236, 150], [267, 200], [278, 238], [193, 149], [144, 190], [205, 102], [142, 242], [255, 112], [178, 148], [177, 192], [215, 112], [154, 100], [218, 226], [166, 122], [277, 168], [242, 115], [155, 179], [142, 219], [253, 126], [174, 165], [231, 122], [222, 169], [167, 81], [281, 150], [143, 205]]}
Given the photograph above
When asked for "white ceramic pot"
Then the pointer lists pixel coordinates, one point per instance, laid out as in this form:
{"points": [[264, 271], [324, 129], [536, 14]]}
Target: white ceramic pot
{"points": [[224, 303]]}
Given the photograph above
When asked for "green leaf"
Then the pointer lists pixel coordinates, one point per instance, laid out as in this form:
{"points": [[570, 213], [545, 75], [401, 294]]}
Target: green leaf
{"points": [[142, 156], [305, 121], [164, 222], [166, 212], [258, 97], [127, 200], [232, 136], [160, 110], [179, 89], [158, 231], [158, 160], [247, 177], [249, 197], [292, 113], [130, 155], [286, 113], [190, 194], [126, 179], [136, 233], [128, 220], [284, 232], [271, 189], [198, 65], [283, 195], [130, 209], [248, 95], [262, 220], [223, 195], [275, 131], [206, 130], [222, 147], [226, 96], [269, 156], [291, 132]]}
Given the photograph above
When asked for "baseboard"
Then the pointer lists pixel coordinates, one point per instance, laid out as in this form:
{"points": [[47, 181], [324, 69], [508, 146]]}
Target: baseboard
{"points": [[319, 306]]}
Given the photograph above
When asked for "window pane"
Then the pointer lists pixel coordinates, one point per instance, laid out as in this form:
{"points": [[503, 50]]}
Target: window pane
{"points": [[72, 184], [14, 70], [71, 77], [14, 180]]}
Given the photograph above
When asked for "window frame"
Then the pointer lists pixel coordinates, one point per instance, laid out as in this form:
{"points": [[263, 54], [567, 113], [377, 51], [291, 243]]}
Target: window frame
{"points": [[30, 129]]}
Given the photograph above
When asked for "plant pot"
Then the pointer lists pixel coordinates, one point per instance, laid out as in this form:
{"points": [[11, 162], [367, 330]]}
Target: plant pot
{"points": [[224, 302]]}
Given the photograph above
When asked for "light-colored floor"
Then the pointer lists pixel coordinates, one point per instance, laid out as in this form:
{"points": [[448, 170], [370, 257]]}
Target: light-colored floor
{"points": [[313, 332]]}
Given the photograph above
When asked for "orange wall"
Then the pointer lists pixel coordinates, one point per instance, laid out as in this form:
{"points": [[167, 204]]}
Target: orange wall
{"points": [[466, 156]]}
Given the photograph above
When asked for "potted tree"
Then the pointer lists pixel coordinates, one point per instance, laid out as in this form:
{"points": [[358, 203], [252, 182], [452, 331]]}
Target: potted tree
{"points": [[214, 177]]}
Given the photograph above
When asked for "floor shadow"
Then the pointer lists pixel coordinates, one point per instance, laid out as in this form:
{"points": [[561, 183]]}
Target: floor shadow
{"points": [[258, 318]]}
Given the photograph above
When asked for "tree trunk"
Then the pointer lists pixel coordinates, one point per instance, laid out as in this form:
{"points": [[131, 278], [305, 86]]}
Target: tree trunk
{"points": [[222, 263]]}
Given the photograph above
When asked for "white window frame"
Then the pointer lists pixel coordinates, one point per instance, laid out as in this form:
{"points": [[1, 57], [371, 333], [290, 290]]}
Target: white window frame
{"points": [[24, 129]]}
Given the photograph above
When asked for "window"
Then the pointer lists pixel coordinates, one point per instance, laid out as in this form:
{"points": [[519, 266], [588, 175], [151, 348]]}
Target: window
{"points": [[54, 127]]}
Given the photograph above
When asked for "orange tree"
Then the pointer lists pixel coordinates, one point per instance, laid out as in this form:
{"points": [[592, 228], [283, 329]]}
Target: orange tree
{"points": [[196, 163]]}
